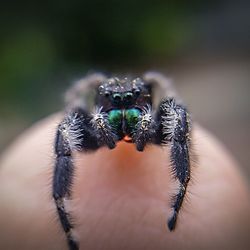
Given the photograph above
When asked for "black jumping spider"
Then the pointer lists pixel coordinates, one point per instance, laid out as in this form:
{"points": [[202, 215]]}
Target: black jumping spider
{"points": [[140, 111]]}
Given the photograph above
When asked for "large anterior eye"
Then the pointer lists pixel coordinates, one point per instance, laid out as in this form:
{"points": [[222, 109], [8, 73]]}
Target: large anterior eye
{"points": [[115, 117], [132, 116], [128, 96], [117, 97]]}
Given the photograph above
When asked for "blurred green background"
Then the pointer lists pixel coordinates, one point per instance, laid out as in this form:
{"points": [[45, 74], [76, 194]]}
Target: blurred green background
{"points": [[204, 46]]}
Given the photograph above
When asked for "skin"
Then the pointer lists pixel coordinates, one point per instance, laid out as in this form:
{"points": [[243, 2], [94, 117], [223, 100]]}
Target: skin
{"points": [[120, 197]]}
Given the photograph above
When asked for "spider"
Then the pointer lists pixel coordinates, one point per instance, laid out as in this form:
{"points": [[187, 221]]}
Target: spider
{"points": [[102, 111]]}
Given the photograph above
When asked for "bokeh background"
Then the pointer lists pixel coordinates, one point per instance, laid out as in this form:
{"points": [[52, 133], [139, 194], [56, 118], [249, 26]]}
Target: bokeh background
{"points": [[204, 46]]}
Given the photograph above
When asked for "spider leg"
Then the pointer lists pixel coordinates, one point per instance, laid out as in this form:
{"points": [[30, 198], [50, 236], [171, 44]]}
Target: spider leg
{"points": [[75, 132], [175, 129], [103, 129], [144, 129]]}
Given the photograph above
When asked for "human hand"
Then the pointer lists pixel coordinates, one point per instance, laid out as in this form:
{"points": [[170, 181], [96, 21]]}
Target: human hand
{"points": [[121, 197]]}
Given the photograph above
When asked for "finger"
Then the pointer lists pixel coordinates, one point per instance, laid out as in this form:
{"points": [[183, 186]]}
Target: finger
{"points": [[121, 197]]}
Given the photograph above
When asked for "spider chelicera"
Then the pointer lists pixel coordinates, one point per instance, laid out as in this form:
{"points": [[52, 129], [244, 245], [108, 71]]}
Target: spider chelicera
{"points": [[142, 111]]}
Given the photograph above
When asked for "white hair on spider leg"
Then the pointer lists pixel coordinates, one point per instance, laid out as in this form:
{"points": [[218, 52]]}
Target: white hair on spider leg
{"points": [[71, 131], [146, 114], [99, 119], [145, 118], [169, 121]]}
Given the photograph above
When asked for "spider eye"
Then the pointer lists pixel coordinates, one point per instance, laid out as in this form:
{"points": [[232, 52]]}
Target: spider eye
{"points": [[117, 97], [101, 88], [128, 95], [137, 92], [107, 93]]}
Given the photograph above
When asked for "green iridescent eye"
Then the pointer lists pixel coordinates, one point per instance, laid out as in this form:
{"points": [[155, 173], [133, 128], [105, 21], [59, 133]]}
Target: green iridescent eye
{"points": [[115, 117], [132, 116]]}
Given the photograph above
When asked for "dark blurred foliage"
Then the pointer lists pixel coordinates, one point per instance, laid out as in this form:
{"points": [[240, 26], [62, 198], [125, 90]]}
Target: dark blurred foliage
{"points": [[48, 42], [45, 45]]}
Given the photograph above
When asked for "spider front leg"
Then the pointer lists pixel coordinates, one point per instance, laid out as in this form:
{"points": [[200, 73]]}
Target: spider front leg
{"points": [[79, 131], [174, 130], [145, 129]]}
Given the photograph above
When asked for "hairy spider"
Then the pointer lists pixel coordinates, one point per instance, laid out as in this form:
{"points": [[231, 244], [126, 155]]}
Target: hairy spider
{"points": [[140, 111]]}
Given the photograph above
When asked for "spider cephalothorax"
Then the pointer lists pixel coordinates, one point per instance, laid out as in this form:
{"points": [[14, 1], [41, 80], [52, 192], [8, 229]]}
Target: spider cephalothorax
{"points": [[121, 104], [123, 93], [137, 110]]}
